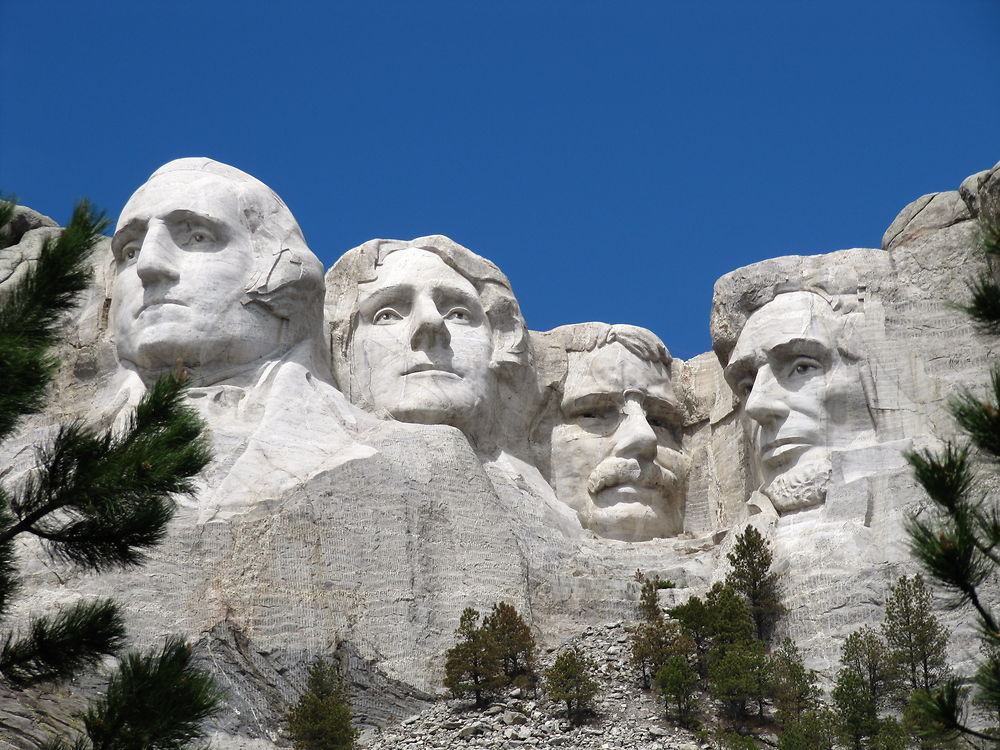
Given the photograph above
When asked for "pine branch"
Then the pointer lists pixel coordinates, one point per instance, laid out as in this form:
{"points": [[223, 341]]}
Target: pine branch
{"points": [[58, 646], [31, 311], [951, 557], [946, 477], [8, 568], [101, 500], [7, 205], [981, 419], [154, 701]]}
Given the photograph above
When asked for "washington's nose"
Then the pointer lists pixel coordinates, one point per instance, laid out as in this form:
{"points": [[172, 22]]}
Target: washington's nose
{"points": [[428, 326], [634, 437], [157, 257], [765, 402]]}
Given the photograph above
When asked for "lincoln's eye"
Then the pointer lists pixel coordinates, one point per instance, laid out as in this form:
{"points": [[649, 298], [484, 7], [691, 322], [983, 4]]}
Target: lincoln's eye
{"points": [[383, 317], [460, 314]]}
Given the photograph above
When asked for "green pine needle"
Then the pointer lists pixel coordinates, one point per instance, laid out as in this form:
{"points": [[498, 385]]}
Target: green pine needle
{"points": [[59, 645]]}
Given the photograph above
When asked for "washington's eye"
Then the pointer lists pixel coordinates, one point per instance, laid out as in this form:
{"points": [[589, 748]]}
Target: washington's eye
{"points": [[386, 316], [804, 366], [130, 253]]}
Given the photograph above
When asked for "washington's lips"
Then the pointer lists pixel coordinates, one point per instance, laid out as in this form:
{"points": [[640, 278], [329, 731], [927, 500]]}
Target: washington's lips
{"points": [[159, 302], [429, 367]]}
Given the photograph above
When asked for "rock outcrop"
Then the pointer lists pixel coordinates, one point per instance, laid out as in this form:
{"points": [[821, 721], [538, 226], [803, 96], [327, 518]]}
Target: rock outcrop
{"points": [[385, 440]]}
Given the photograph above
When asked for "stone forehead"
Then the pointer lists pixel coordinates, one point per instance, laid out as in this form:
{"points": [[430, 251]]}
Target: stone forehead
{"points": [[838, 278], [793, 315], [613, 368]]}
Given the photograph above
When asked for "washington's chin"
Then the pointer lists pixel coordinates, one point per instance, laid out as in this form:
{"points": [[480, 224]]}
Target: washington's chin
{"points": [[456, 413]]}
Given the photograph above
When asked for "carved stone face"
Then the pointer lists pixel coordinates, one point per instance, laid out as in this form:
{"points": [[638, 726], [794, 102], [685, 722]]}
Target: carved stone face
{"points": [[800, 397], [615, 455], [423, 345], [184, 259]]}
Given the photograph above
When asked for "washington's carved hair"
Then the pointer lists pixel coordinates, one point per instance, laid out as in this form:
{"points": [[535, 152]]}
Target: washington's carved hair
{"points": [[360, 265], [287, 278]]}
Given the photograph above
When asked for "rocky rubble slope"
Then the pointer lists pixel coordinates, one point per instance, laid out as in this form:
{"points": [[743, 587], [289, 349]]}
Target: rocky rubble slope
{"points": [[628, 718]]}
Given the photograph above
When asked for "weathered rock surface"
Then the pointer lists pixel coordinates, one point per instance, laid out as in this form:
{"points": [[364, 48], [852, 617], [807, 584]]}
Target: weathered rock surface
{"points": [[325, 527]]}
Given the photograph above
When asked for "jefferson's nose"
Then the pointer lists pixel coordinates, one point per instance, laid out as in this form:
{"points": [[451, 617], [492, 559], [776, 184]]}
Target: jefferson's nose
{"points": [[158, 255], [766, 402], [634, 437], [428, 329]]}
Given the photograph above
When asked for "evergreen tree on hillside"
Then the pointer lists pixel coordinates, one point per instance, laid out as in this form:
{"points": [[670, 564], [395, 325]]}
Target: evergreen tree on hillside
{"points": [[321, 719], [569, 680], [514, 644], [864, 686], [958, 546], [916, 640], [751, 576], [98, 501], [473, 665]]}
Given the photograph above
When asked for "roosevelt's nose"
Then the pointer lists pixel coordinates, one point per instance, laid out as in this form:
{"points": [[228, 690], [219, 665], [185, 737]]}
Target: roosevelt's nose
{"points": [[158, 255], [766, 402], [634, 437], [428, 329]]}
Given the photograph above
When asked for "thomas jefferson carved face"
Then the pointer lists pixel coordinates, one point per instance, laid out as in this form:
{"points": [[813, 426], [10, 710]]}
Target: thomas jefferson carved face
{"points": [[423, 344], [800, 395], [615, 454], [184, 259]]}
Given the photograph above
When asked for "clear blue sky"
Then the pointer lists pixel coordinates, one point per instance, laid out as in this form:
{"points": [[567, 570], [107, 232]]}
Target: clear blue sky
{"points": [[613, 158]]}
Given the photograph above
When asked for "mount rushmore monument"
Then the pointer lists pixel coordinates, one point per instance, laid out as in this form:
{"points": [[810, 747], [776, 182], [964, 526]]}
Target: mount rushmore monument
{"points": [[393, 443]]}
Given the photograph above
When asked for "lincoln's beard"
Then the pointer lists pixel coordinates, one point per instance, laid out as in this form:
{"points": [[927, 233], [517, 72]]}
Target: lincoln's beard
{"points": [[803, 486]]}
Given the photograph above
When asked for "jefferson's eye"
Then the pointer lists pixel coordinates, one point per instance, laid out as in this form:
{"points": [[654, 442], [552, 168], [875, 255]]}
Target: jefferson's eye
{"points": [[658, 422], [744, 387], [386, 316]]}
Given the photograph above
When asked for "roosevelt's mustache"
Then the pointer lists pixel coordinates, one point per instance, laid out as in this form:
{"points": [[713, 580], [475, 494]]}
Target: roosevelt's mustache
{"points": [[614, 470]]}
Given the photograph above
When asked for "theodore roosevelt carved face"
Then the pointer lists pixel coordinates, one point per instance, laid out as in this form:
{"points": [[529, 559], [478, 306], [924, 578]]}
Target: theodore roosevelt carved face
{"points": [[211, 270], [615, 455], [422, 329], [801, 394]]}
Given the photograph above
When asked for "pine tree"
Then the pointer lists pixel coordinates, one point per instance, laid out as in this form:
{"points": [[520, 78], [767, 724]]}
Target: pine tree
{"points": [[864, 685], [793, 688], [751, 576], [677, 681], [473, 665], [916, 640], [321, 719], [155, 701], [958, 546], [95, 500], [739, 676], [514, 644], [569, 681]]}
